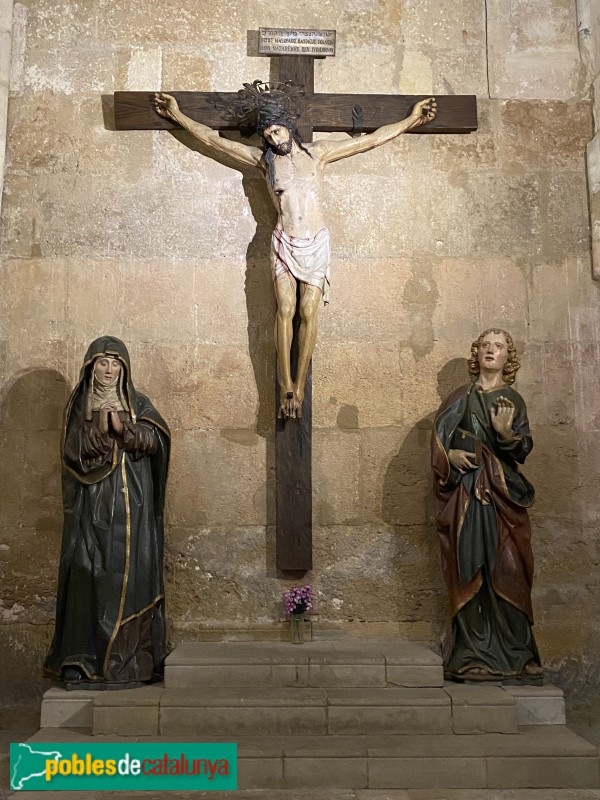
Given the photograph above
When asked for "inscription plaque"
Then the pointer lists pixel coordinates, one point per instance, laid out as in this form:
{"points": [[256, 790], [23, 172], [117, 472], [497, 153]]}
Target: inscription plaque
{"points": [[296, 41]]}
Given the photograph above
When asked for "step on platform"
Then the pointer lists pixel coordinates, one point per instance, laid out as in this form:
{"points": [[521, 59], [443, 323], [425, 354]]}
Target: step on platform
{"points": [[345, 715], [314, 664], [306, 712], [545, 756]]}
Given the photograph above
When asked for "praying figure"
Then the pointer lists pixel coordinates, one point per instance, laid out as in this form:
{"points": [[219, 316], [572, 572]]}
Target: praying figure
{"points": [[110, 618], [293, 172], [481, 436]]}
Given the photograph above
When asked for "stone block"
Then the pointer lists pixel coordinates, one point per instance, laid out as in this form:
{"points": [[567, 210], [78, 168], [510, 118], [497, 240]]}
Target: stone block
{"points": [[538, 705], [451, 152], [230, 296], [544, 133], [396, 697], [183, 26], [18, 237], [417, 676], [395, 477], [207, 585], [348, 773], [359, 571], [27, 125], [484, 719], [460, 70], [144, 696], [566, 219], [260, 773], [343, 376], [529, 60], [544, 741], [208, 386], [378, 74], [359, 316], [29, 596], [329, 747], [275, 675], [398, 229], [476, 696], [346, 675], [74, 735], [33, 292], [426, 772], [503, 308], [138, 720], [183, 210], [244, 697], [256, 720], [180, 68], [203, 486], [413, 654], [549, 281], [47, 22], [491, 794], [62, 709], [138, 316], [439, 25], [336, 465], [539, 773], [355, 720]]}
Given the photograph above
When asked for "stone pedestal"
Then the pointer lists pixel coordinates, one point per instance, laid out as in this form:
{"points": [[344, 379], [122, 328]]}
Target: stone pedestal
{"points": [[354, 715]]}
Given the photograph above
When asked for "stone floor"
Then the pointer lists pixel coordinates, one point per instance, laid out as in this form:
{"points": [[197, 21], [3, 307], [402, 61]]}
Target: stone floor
{"points": [[329, 794]]}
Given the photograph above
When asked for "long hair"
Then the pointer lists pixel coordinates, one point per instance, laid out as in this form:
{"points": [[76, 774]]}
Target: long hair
{"points": [[512, 364], [268, 152], [259, 106]]}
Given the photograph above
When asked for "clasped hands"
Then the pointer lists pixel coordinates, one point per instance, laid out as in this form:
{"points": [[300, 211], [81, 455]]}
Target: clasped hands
{"points": [[108, 412], [502, 416]]}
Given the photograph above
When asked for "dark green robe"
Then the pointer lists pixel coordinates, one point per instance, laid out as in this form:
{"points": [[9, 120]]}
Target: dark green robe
{"points": [[485, 535], [110, 619]]}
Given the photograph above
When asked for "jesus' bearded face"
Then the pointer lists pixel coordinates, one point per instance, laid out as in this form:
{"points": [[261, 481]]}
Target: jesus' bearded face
{"points": [[279, 139]]}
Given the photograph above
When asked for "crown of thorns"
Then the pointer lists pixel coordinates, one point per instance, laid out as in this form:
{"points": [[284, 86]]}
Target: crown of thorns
{"points": [[259, 105]]}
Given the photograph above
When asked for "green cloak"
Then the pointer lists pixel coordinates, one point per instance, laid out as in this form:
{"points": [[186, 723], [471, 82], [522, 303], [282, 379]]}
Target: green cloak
{"points": [[485, 534]]}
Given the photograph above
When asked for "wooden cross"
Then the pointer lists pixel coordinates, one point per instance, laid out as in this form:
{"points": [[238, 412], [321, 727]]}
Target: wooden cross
{"points": [[350, 113]]}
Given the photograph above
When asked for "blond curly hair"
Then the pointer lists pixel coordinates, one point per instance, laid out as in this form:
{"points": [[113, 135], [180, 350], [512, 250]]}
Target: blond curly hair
{"points": [[512, 364]]}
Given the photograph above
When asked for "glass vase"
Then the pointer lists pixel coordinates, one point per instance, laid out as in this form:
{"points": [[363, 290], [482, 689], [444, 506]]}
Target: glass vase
{"points": [[297, 619]]}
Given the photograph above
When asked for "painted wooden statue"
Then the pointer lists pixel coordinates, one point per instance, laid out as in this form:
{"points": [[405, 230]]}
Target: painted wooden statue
{"points": [[110, 622], [480, 438], [294, 175]]}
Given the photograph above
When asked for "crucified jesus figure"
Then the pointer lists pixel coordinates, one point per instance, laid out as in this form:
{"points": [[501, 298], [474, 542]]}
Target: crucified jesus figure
{"points": [[293, 172]]}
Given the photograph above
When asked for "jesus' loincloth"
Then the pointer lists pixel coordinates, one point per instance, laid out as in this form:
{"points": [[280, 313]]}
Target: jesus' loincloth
{"points": [[306, 259]]}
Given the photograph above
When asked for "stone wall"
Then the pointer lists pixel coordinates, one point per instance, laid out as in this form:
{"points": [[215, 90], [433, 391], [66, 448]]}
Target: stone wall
{"points": [[434, 239], [6, 18], [588, 13]]}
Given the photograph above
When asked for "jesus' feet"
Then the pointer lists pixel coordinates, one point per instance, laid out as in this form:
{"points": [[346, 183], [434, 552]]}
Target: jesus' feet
{"points": [[290, 404]]}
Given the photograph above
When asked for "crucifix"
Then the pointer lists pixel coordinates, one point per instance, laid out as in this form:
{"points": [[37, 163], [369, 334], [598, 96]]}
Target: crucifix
{"points": [[292, 165]]}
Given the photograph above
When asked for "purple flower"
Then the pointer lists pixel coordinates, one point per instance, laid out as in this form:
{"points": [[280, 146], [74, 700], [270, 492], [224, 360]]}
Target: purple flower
{"points": [[298, 599]]}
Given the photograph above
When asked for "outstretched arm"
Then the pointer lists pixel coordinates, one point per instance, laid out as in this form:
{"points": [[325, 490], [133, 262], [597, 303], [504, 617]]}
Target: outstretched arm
{"points": [[424, 111], [166, 106]]}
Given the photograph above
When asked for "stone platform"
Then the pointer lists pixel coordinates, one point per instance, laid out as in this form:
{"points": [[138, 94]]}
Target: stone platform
{"points": [[339, 715]]}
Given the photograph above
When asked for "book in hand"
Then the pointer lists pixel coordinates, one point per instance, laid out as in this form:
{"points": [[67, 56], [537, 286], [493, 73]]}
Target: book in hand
{"points": [[467, 441]]}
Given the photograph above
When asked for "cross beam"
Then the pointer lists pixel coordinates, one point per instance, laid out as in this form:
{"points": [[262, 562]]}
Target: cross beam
{"points": [[321, 112], [349, 113]]}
